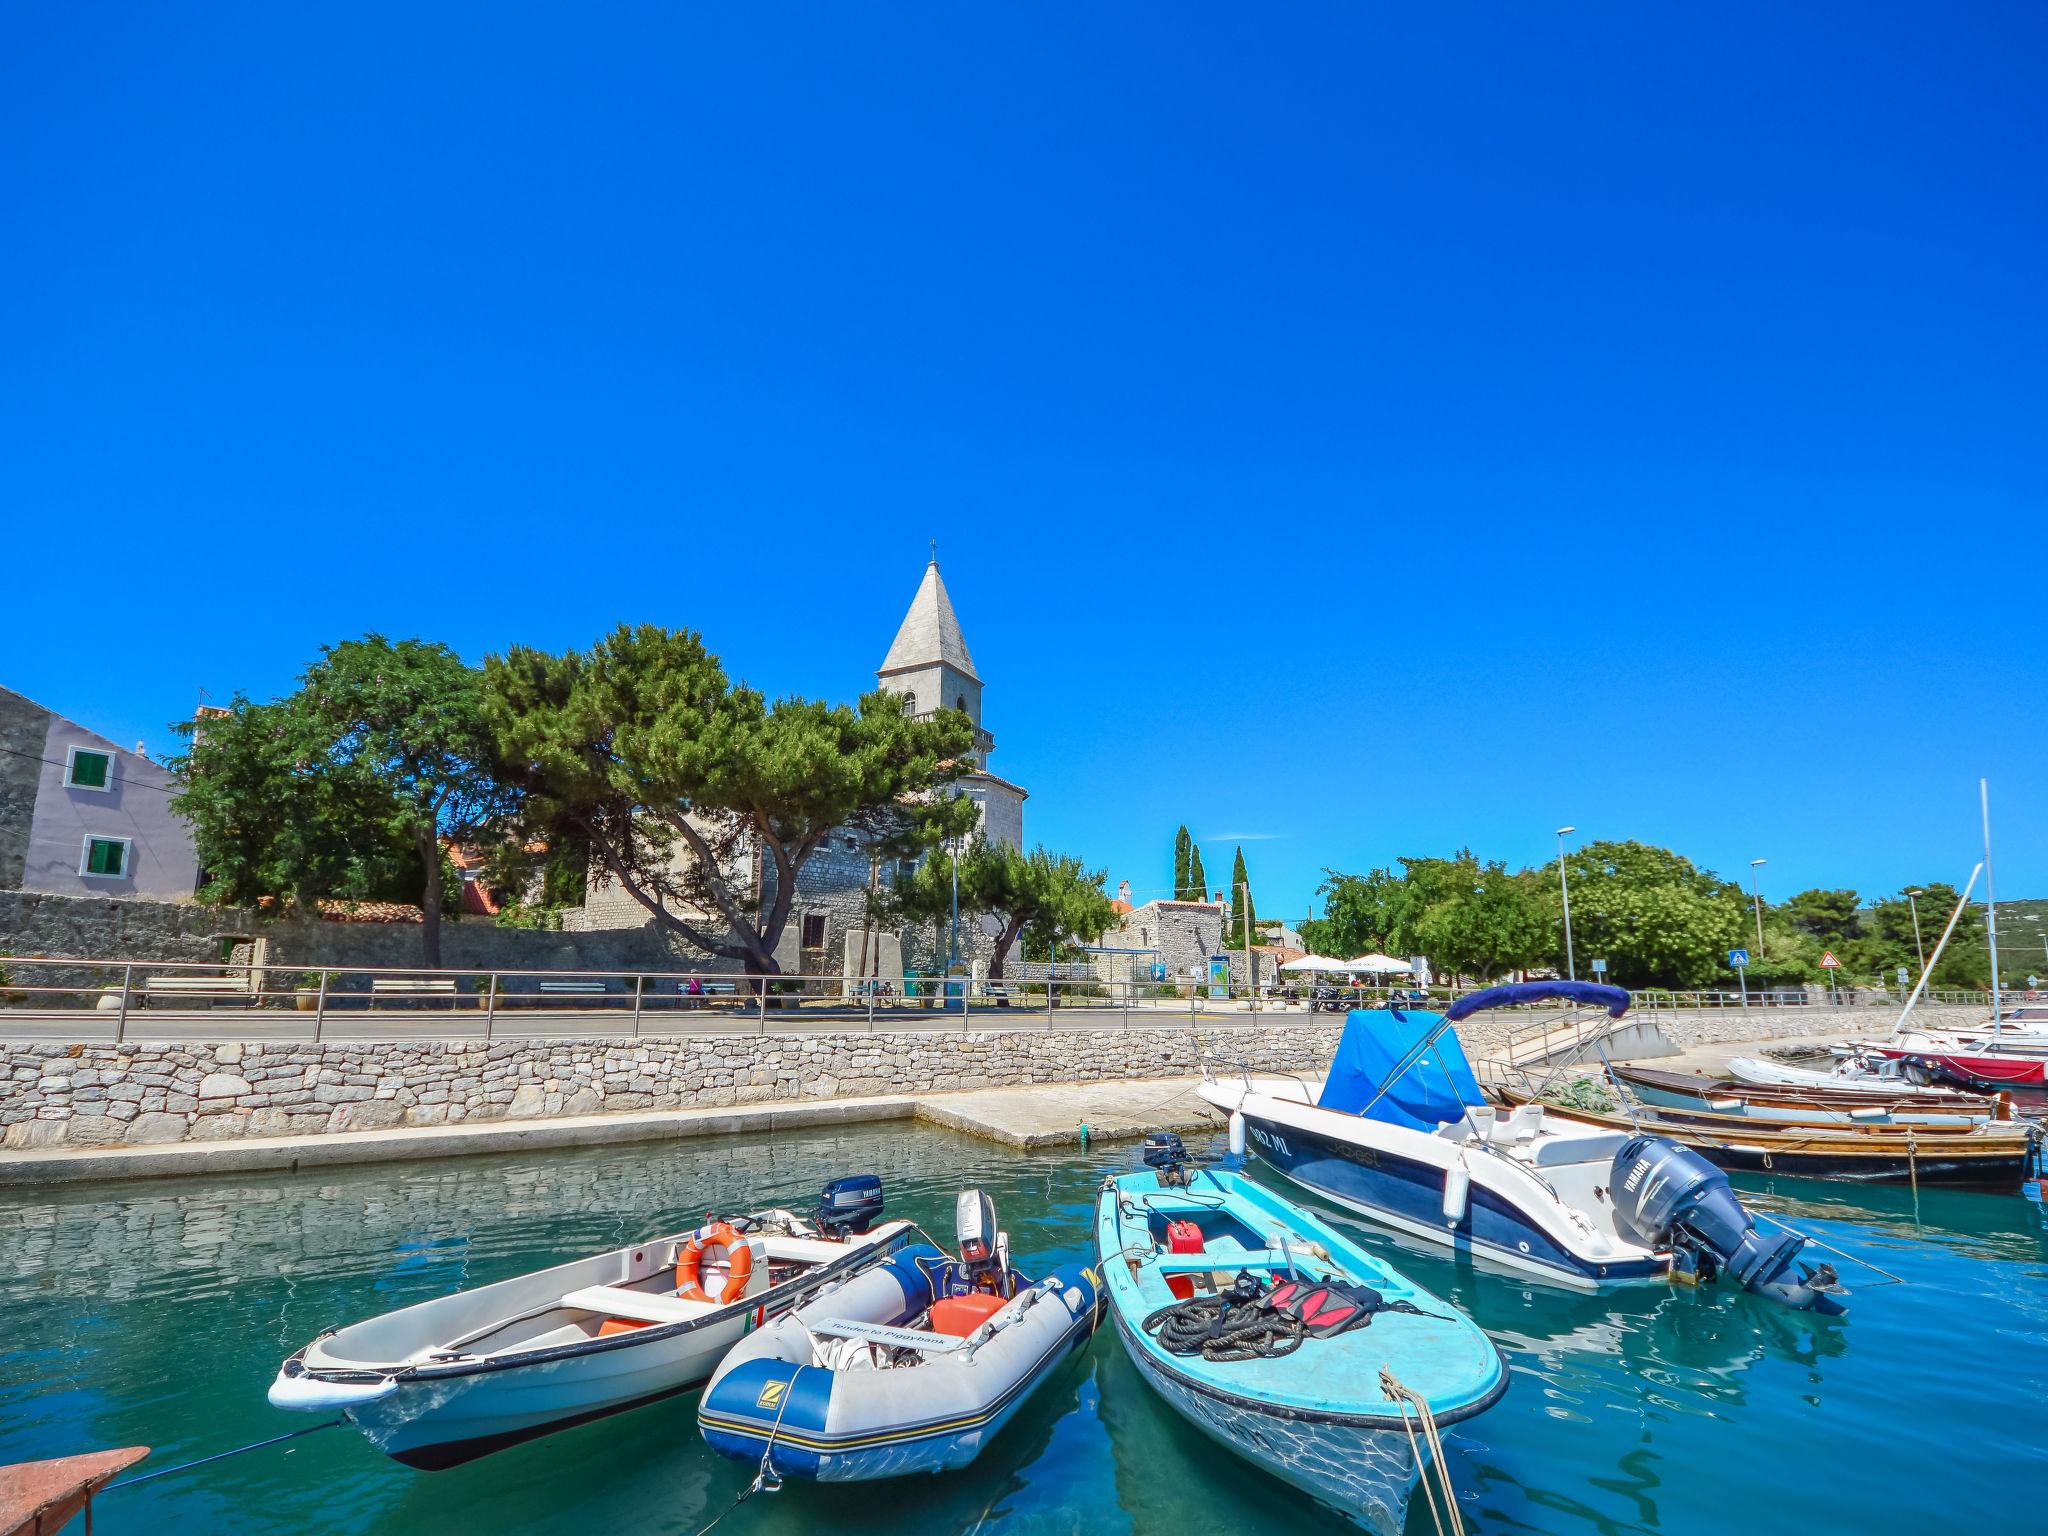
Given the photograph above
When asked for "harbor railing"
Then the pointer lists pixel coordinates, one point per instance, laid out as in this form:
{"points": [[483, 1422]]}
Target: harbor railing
{"points": [[112, 996]]}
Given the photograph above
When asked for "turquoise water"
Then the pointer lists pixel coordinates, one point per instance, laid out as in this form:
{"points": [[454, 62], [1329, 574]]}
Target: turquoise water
{"points": [[157, 1313]]}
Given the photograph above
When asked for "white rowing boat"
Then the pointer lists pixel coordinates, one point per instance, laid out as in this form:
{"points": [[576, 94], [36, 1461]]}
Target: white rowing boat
{"points": [[458, 1377]]}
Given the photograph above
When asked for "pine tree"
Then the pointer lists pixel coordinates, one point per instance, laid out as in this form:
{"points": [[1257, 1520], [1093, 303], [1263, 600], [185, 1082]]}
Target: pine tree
{"points": [[1182, 843], [1244, 921], [1198, 883]]}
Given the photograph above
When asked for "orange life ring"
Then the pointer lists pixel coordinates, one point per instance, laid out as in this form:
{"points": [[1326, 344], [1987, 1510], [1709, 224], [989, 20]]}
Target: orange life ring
{"points": [[739, 1259]]}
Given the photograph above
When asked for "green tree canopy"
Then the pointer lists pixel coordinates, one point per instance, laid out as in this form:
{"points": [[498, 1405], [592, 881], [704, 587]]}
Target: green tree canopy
{"points": [[1198, 882], [1244, 918], [346, 786], [680, 780], [1183, 846], [1832, 917], [1054, 896], [1357, 915]]}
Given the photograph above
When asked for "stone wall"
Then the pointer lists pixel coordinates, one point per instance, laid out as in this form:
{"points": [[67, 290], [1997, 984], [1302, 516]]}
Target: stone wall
{"points": [[35, 923], [142, 1092]]}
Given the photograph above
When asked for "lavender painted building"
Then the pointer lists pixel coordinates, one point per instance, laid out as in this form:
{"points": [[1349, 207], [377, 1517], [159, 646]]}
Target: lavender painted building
{"points": [[80, 816]]}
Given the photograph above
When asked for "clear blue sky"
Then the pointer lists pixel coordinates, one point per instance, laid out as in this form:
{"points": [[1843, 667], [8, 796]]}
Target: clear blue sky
{"points": [[1611, 414]]}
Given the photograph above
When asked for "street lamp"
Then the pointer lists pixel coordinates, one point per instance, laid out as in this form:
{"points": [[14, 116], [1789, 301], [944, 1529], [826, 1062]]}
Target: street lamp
{"points": [[1912, 900], [1571, 967], [1757, 902]]}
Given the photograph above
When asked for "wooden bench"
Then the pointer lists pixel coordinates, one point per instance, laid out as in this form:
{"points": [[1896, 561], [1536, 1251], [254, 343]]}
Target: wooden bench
{"points": [[210, 988], [411, 989]]}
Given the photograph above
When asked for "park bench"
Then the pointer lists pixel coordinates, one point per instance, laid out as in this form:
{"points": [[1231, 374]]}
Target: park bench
{"points": [[411, 989], [208, 988], [569, 988]]}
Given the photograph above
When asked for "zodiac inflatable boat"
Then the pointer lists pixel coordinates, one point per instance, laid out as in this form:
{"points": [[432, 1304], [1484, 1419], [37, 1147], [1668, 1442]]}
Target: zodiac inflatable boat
{"points": [[911, 1366], [458, 1377]]}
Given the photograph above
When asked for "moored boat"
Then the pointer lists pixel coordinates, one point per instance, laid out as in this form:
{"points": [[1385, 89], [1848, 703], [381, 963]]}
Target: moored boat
{"points": [[1994, 1155], [448, 1380], [1843, 1105], [912, 1366], [1281, 1339], [1399, 1132]]}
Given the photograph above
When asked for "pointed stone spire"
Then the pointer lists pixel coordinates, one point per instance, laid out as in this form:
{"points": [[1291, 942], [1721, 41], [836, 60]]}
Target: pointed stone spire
{"points": [[930, 632]]}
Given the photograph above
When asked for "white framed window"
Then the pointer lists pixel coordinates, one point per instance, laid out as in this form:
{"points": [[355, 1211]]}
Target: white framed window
{"points": [[105, 858], [86, 769]]}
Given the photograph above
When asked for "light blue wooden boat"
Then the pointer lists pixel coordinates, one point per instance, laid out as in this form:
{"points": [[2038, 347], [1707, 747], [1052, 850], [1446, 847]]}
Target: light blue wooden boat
{"points": [[1329, 1417]]}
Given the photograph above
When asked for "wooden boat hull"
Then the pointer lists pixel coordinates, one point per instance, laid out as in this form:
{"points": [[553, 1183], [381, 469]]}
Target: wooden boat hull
{"points": [[1961, 1157], [1846, 1106]]}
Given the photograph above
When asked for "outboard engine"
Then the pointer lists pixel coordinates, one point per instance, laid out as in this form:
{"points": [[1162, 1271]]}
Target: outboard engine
{"points": [[984, 1248], [850, 1205], [1668, 1194], [1166, 1155]]}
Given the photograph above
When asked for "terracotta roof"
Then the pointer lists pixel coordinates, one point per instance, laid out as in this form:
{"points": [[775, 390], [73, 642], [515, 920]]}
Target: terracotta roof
{"points": [[332, 911], [1120, 907]]}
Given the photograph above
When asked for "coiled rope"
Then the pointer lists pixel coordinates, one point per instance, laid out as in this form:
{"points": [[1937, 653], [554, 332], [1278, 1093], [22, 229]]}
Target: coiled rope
{"points": [[1396, 1392], [1230, 1326]]}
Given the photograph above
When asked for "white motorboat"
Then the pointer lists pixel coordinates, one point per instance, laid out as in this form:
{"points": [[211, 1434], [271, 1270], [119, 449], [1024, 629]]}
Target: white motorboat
{"points": [[1400, 1132], [446, 1381], [1856, 1070]]}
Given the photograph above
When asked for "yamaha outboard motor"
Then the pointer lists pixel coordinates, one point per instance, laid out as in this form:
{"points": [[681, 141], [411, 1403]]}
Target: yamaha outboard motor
{"points": [[984, 1248], [850, 1205], [1670, 1195]]}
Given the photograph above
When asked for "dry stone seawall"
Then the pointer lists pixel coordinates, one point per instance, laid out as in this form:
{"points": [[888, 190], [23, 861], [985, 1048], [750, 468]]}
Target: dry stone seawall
{"points": [[142, 1093]]}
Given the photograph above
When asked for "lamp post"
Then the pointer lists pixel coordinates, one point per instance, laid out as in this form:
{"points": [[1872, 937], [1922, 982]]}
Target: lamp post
{"points": [[1757, 902], [953, 951], [1571, 966], [1912, 901]]}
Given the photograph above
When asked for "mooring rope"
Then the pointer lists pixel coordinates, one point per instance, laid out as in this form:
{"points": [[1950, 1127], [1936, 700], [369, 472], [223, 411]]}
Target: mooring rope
{"points": [[766, 1478], [1397, 1392], [254, 1445]]}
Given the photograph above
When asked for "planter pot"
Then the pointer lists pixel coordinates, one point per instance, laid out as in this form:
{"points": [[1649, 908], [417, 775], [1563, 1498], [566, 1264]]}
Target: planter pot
{"points": [[309, 999]]}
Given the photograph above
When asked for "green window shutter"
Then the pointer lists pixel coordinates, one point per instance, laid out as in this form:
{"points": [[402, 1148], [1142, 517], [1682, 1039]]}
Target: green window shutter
{"points": [[108, 857], [89, 770]]}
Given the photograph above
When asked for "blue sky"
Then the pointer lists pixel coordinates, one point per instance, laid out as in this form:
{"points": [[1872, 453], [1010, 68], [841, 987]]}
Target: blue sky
{"points": [[1615, 415]]}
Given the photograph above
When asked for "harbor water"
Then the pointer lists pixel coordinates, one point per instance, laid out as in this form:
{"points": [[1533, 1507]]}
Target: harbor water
{"points": [[156, 1313]]}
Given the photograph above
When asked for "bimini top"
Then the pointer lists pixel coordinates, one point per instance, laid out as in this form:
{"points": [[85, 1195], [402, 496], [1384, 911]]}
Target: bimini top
{"points": [[1614, 999], [1436, 1088]]}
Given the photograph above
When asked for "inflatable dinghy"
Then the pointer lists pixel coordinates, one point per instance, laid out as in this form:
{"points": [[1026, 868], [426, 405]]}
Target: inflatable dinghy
{"points": [[909, 1367]]}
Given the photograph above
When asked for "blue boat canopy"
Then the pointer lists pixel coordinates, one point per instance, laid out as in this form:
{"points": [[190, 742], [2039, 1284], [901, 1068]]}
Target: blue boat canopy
{"points": [[1614, 999], [1437, 1088]]}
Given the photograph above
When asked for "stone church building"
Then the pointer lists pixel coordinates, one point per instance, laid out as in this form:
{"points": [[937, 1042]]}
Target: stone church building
{"points": [[928, 663]]}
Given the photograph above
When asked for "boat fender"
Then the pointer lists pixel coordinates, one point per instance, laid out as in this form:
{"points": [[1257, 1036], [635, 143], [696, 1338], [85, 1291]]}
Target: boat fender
{"points": [[309, 1393], [739, 1257], [1237, 1133], [1457, 1191]]}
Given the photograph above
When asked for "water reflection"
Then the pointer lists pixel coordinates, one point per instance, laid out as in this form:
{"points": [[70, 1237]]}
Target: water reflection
{"points": [[157, 1312]]}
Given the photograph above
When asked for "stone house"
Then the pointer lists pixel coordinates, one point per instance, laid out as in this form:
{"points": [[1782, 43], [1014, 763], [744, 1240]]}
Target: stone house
{"points": [[1180, 935], [80, 816], [928, 663]]}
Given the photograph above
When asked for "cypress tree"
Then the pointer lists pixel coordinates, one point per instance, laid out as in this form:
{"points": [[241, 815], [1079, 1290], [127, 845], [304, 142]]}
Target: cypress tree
{"points": [[1198, 883], [1244, 922], [1181, 844]]}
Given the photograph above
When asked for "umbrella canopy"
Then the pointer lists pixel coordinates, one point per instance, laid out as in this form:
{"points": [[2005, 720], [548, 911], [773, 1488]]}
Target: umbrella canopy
{"points": [[1378, 965], [1316, 963]]}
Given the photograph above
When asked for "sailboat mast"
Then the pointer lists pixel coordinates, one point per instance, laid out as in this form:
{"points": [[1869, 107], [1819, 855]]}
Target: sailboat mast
{"points": [[1990, 903]]}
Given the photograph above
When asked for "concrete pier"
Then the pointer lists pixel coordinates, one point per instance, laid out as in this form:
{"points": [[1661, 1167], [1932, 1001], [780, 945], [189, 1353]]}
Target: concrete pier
{"points": [[1043, 1115]]}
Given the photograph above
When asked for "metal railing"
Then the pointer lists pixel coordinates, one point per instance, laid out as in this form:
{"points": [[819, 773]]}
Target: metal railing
{"points": [[42, 990], [290, 1002]]}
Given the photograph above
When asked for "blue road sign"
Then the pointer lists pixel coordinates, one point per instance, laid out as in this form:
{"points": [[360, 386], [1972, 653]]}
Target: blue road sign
{"points": [[1738, 958]]}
